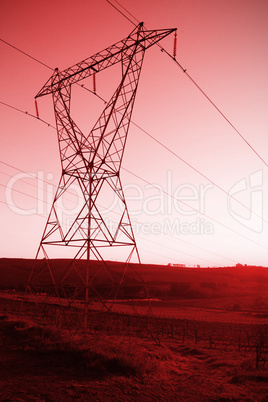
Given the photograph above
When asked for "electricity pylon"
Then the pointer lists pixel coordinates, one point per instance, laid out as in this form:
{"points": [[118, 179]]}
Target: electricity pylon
{"points": [[92, 163]]}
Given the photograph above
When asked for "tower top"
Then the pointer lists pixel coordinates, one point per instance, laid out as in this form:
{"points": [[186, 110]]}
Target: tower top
{"points": [[139, 38]]}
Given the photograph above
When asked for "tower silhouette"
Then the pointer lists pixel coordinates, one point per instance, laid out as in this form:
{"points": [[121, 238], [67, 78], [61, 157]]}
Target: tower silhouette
{"points": [[91, 162]]}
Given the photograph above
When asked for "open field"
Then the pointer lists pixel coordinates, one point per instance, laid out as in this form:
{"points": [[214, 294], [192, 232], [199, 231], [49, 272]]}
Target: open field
{"points": [[234, 285], [229, 294], [51, 360], [208, 340]]}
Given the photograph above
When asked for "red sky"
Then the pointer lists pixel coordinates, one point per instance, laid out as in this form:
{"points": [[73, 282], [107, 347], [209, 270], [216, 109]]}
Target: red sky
{"points": [[223, 46]]}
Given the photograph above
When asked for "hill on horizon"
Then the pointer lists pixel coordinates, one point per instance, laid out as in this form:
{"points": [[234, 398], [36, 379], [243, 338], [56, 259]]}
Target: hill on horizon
{"points": [[162, 280]]}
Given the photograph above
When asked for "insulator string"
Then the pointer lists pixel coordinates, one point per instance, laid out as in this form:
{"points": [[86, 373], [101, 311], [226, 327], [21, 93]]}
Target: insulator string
{"points": [[36, 108], [175, 45], [94, 83]]}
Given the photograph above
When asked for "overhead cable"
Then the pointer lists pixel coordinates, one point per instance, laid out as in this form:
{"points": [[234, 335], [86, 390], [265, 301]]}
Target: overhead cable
{"points": [[140, 128], [46, 202], [197, 86], [195, 209]]}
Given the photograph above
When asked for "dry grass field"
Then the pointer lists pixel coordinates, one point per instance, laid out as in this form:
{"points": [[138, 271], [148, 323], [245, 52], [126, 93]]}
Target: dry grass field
{"points": [[211, 345]]}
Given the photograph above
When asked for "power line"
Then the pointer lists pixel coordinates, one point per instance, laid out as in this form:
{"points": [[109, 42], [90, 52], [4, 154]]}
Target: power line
{"points": [[165, 147], [158, 244], [127, 11], [223, 225], [195, 209], [157, 188], [120, 12], [47, 66], [170, 248], [196, 170], [28, 114], [23, 193], [217, 108], [151, 136], [26, 54], [46, 182], [39, 179], [147, 251], [34, 197], [204, 249], [43, 120], [197, 86], [44, 216]]}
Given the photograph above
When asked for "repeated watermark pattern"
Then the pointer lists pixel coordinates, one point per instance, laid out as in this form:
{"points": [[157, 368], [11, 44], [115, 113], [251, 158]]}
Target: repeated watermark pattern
{"points": [[252, 187], [173, 210]]}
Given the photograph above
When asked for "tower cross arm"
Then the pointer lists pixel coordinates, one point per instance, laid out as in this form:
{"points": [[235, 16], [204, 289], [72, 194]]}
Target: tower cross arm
{"points": [[138, 39]]}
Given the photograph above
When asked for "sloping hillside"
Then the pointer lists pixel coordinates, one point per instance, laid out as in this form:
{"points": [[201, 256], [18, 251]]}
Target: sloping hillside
{"points": [[163, 281]]}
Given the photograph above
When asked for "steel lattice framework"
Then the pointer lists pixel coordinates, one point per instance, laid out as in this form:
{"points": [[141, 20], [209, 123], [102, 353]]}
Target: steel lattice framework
{"points": [[92, 162]]}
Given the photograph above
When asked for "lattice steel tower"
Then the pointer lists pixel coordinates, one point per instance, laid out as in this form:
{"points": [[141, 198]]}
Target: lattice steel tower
{"points": [[92, 162]]}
